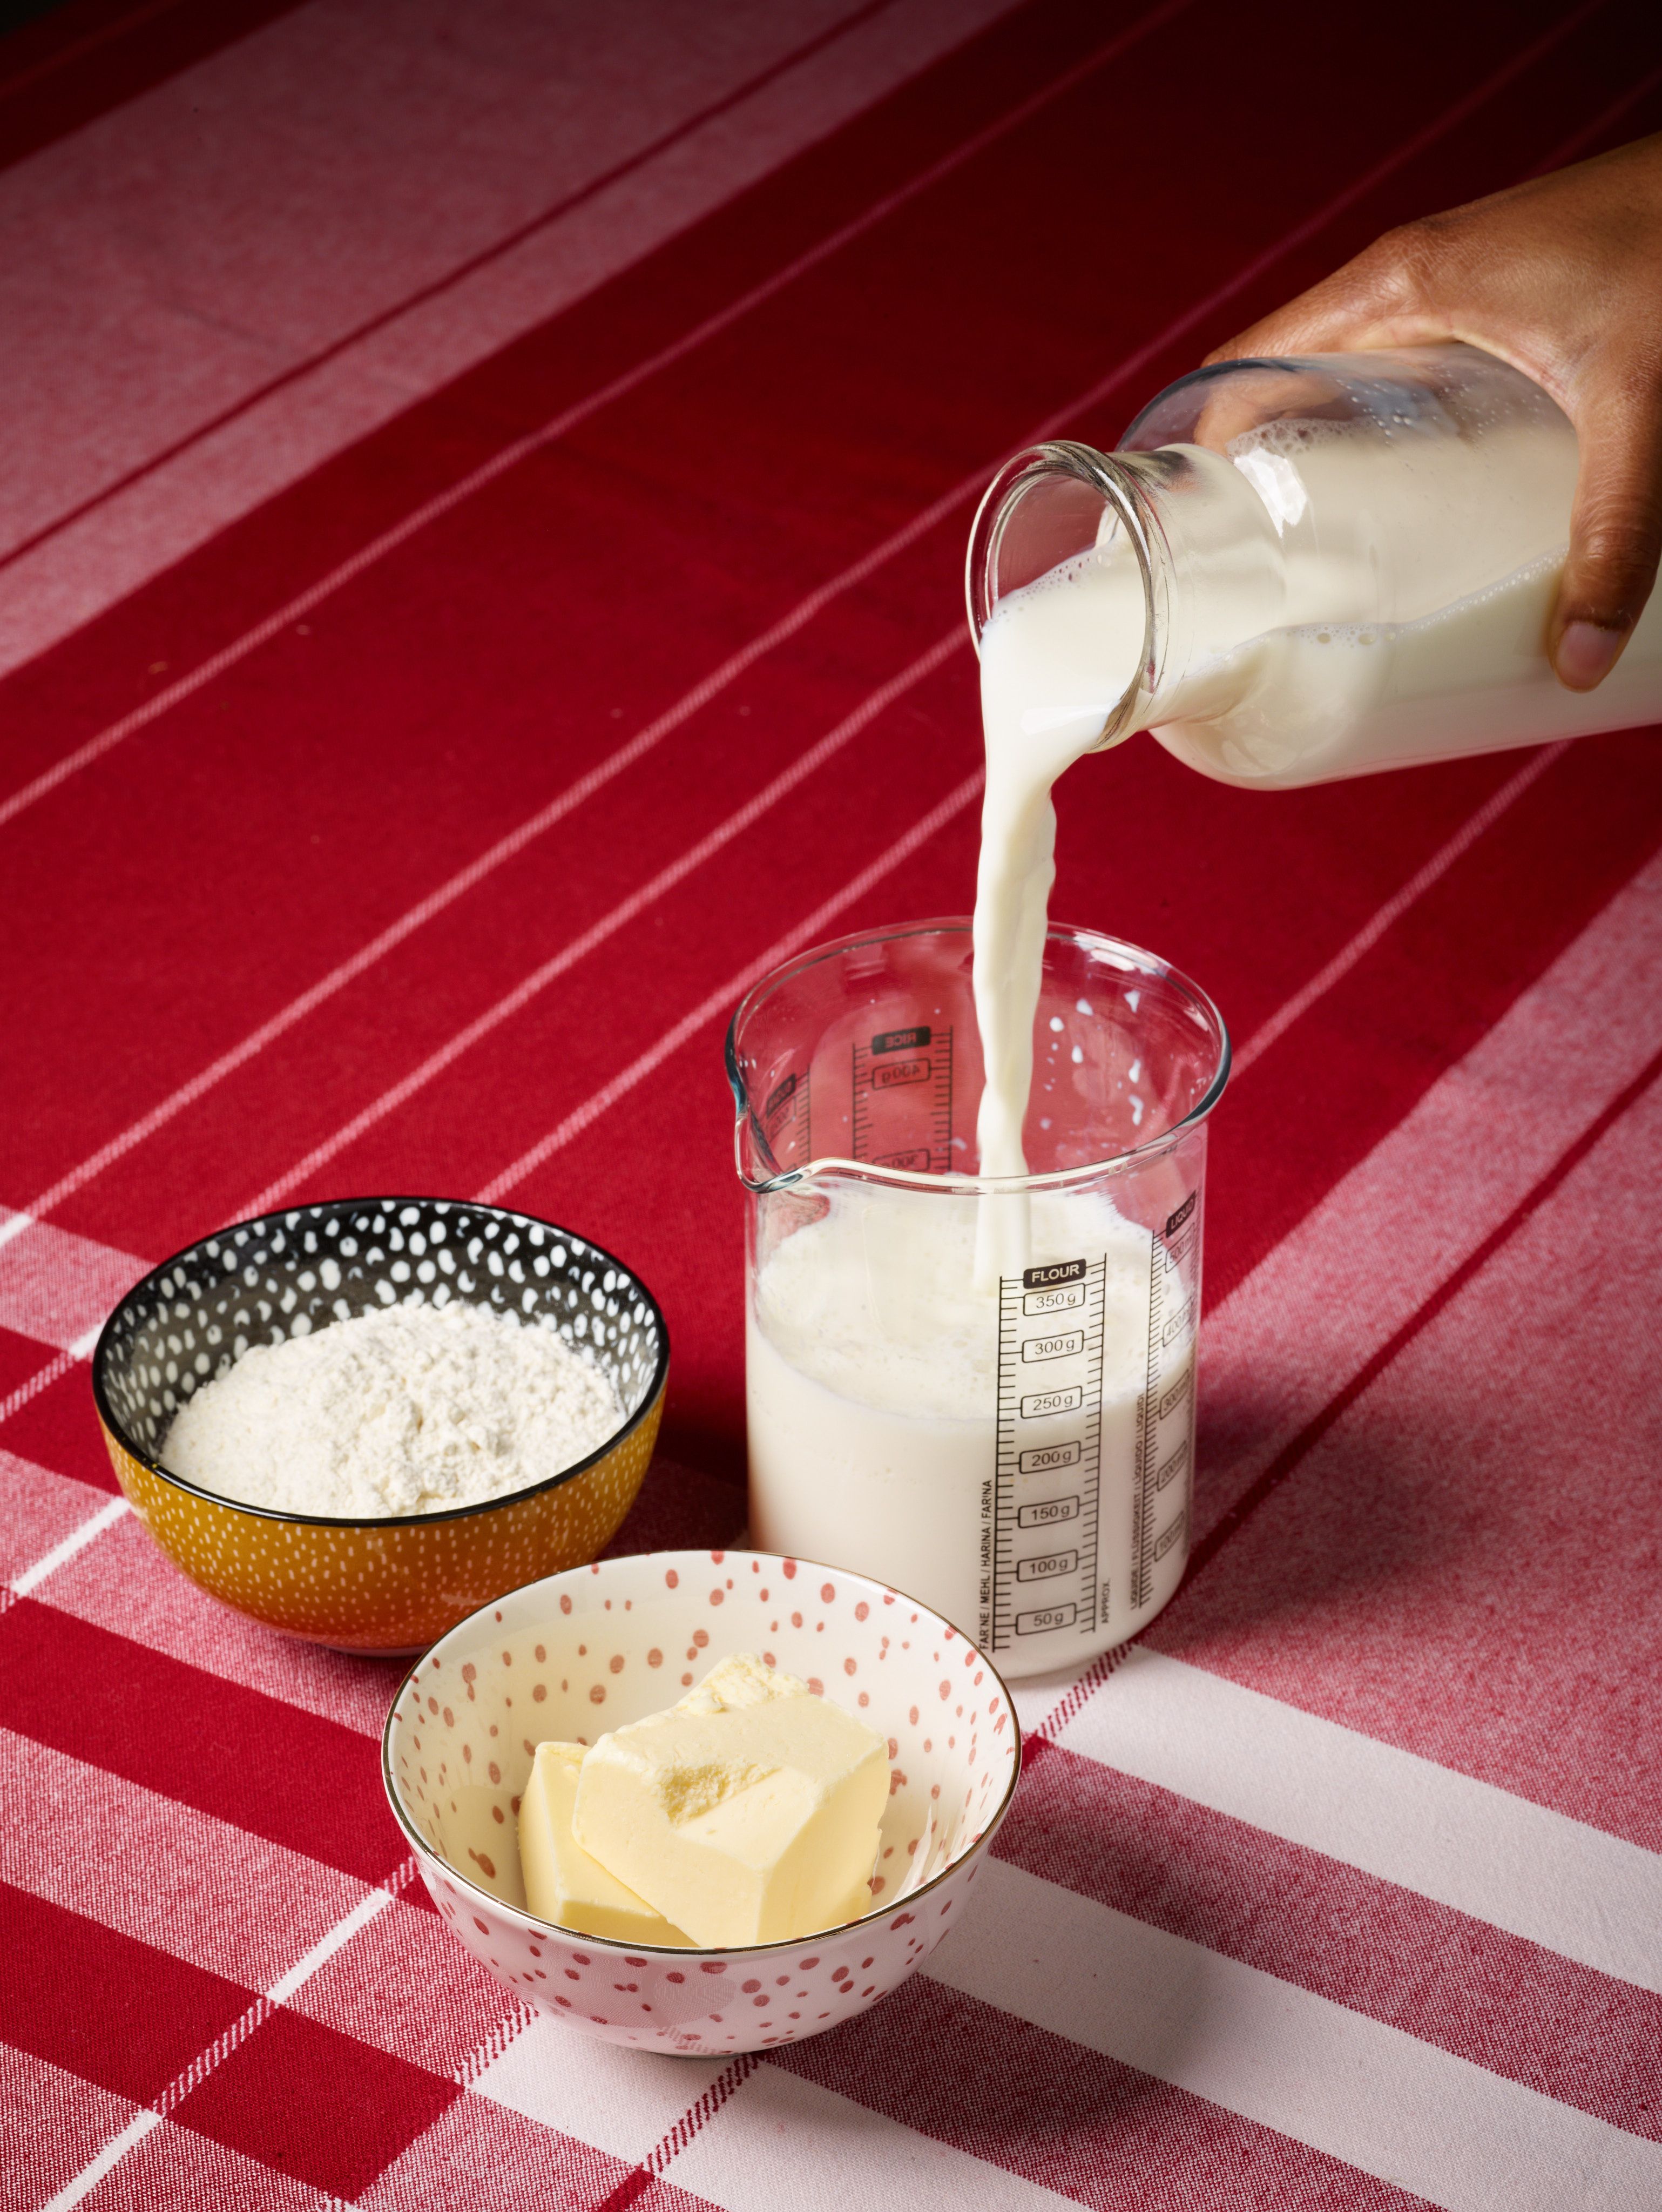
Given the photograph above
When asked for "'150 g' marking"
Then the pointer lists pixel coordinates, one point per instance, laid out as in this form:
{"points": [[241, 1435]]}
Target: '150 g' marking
{"points": [[1047, 1513]]}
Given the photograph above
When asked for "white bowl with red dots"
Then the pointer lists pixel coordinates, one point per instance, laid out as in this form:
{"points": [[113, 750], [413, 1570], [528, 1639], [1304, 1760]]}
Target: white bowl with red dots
{"points": [[578, 1653]]}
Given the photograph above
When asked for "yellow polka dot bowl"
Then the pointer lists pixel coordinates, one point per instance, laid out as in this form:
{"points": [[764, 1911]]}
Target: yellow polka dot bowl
{"points": [[392, 1585]]}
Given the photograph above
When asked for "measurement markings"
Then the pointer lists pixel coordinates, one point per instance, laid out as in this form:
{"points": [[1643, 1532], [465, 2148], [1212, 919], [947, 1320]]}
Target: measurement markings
{"points": [[1048, 1564], [900, 1100], [1054, 1347], [1042, 1623], [1173, 1303], [1041, 1402], [1048, 1513], [1042, 1458], [784, 1118], [1028, 1458]]}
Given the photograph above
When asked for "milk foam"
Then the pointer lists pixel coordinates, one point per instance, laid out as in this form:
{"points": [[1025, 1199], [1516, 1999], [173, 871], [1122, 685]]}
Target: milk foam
{"points": [[877, 1299]]}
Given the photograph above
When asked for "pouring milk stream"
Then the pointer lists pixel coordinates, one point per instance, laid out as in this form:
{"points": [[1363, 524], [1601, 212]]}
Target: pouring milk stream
{"points": [[1291, 571]]}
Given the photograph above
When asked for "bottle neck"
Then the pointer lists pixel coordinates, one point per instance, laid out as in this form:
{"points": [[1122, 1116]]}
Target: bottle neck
{"points": [[1203, 546]]}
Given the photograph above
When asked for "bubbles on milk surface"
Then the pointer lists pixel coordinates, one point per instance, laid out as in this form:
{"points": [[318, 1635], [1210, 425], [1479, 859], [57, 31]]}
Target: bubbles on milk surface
{"points": [[877, 1300]]}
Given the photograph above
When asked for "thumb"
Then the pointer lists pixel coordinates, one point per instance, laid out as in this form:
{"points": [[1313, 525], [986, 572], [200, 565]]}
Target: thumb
{"points": [[1615, 531]]}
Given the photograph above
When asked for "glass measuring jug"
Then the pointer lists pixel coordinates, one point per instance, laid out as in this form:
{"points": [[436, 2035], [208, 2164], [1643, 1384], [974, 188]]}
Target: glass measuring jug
{"points": [[1338, 564], [1018, 1454]]}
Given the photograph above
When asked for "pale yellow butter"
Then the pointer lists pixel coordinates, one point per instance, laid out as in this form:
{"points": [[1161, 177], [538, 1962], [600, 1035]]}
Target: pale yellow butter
{"points": [[747, 1814], [562, 1882]]}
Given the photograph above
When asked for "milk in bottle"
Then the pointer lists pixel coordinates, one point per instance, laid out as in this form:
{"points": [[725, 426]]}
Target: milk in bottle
{"points": [[1345, 563]]}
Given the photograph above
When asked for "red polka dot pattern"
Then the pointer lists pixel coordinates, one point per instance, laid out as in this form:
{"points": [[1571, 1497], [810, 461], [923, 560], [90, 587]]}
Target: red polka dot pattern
{"points": [[591, 1638]]}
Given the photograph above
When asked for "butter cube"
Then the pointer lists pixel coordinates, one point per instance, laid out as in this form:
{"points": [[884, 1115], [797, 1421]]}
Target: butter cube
{"points": [[747, 1814], [562, 1882]]}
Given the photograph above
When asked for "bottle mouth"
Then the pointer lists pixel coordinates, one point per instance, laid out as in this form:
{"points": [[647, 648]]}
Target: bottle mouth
{"points": [[1049, 505]]}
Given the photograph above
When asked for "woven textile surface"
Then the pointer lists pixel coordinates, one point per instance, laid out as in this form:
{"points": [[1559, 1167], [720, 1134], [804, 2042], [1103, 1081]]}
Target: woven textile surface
{"points": [[484, 491]]}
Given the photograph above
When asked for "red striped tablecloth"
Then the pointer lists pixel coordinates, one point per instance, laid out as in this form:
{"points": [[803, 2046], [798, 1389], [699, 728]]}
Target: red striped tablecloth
{"points": [[485, 486]]}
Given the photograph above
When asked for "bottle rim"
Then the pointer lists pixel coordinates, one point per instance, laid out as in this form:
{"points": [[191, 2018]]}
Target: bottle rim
{"points": [[1063, 463]]}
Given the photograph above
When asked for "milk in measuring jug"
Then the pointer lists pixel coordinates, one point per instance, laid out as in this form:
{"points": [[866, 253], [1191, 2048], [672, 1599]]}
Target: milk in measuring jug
{"points": [[1017, 1456]]}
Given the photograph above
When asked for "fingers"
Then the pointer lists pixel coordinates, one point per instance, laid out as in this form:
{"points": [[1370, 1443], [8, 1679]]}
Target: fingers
{"points": [[1386, 296], [1252, 398], [1615, 527]]}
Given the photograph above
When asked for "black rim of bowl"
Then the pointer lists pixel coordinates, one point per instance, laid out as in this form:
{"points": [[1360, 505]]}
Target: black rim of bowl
{"points": [[281, 1216]]}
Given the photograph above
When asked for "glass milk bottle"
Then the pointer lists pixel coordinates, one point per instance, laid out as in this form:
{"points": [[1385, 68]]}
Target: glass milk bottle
{"points": [[1343, 563]]}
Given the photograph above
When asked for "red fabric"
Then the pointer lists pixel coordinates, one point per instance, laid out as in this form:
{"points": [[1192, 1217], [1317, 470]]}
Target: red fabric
{"points": [[297, 741], [78, 61]]}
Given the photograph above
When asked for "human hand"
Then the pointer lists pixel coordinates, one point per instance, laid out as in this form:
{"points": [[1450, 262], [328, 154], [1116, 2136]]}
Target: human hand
{"points": [[1563, 277]]}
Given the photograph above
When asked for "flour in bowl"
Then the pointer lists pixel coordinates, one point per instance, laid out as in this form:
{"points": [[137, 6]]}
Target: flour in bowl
{"points": [[412, 1409]]}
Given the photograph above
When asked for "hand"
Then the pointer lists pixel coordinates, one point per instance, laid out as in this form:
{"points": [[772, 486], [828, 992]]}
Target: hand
{"points": [[1563, 277]]}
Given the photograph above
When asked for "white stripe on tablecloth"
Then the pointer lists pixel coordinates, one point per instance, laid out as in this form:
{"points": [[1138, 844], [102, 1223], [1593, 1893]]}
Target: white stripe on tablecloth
{"points": [[246, 1904], [307, 134], [38, 1511], [1431, 872], [701, 693], [26, 1584], [781, 2140], [40, 1487], [1371, 2094], [289, 1984], [55, 1286], [114, 2152], [205, 2062], [1595, 1898], [30, 1580], [620, 2101], [626, 911], [127, 1583]]}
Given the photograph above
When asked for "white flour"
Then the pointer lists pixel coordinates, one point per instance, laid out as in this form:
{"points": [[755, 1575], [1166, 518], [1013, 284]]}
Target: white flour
{"points": [[414, 1409]]}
